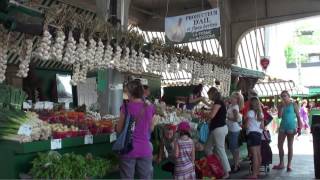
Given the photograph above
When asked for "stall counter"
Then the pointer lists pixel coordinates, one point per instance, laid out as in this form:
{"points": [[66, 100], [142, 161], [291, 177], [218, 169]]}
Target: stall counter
{"points": [[16, 158]]}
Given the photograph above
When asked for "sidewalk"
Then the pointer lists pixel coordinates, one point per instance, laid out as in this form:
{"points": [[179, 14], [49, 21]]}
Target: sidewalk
{"points": [[302, 163]]}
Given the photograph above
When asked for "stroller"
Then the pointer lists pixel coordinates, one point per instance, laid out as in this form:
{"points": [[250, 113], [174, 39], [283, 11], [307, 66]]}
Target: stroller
{"points": [[266, 153]]}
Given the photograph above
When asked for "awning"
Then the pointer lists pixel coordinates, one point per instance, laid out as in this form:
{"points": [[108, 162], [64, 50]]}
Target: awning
{"points": [[244, 72], [273, 88]]}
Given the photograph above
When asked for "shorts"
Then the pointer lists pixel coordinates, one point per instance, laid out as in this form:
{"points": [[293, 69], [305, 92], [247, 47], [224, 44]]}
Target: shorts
{"points": [[254, 139], [233, 140], [287, 131]]}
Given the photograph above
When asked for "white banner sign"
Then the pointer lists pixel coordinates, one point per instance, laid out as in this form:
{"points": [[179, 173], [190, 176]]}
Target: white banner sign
{"points": [[193, 27]]}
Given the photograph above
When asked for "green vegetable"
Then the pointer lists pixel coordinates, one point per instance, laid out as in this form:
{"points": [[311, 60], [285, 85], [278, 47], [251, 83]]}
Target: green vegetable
{"points": [[10, 121], [52, 165], [11, 96]]}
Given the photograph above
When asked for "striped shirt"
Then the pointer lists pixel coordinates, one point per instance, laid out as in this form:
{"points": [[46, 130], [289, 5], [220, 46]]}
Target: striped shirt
{"points": [[184, 168]]}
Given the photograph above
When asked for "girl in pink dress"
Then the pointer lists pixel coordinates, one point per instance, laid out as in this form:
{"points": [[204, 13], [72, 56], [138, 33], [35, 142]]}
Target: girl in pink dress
{"points": [[184, 154]]}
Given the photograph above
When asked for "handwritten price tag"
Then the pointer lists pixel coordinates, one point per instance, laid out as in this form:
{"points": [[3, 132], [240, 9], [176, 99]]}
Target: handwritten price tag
{"points": [[25, 130], [56, 144], [88, 139], [113, 137]]}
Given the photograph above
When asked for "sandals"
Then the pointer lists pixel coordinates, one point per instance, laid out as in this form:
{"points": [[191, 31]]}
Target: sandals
{"points": [[289, 169], [278, 167], [235, 170]]}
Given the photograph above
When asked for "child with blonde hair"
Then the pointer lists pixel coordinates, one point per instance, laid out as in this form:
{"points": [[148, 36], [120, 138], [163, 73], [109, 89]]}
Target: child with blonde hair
{"points": [[255, 126], [234, 119]]}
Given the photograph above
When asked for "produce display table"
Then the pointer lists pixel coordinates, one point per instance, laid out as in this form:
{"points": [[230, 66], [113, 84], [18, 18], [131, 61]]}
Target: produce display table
{"points": [[16, 157]]}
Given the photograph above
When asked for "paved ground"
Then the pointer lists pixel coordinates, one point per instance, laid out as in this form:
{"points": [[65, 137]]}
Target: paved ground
{"points": [[302, 167]]}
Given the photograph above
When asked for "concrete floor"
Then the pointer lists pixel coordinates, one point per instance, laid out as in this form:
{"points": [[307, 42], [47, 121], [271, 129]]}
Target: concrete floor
{"points": [[302, 164]]}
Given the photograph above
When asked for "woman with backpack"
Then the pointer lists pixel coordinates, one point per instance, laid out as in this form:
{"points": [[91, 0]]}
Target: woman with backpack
{"points": [[139, 159]]}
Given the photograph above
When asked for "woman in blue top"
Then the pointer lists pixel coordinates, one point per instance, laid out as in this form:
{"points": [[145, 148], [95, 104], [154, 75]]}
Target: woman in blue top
{"points": [[289, 126]]}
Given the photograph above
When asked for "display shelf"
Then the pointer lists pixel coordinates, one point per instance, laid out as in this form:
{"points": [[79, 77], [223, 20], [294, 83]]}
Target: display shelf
{"points": [[16, 157], [45, 145]]}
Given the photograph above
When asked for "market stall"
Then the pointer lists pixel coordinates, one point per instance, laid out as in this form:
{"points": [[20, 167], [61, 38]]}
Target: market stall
{"points": [[64, 78], [25, 134]]}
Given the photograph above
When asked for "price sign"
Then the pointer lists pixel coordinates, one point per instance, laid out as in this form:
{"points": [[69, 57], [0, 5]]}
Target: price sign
{"points": [[56, 144], [88, 139], [113, 137], [25, 130]]}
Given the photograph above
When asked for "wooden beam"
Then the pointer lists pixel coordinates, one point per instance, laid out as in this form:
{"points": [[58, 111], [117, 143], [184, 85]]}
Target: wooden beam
{"points": [[89, 5], [213, 3]]}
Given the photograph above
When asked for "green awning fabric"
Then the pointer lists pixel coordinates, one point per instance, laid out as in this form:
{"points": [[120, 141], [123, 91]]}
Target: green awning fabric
{"points": [[239, 71], [102, 80], [314, 90]]}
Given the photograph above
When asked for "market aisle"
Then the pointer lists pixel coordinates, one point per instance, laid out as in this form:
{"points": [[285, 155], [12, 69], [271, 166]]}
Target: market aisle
{"points": [[302, 163]]}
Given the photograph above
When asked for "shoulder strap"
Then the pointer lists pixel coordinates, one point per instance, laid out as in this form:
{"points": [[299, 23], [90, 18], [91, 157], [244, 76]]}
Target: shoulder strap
{"points": [[125, 108], [264, 134]]}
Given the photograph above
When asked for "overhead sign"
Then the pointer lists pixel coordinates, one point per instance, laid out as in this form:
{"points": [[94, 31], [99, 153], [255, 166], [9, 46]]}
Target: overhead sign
{"points": [[193, 27]]}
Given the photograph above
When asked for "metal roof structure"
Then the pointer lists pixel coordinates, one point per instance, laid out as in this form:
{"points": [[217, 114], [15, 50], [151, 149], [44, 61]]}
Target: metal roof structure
{"points": [[250, 49], [181, 77], [275, 87]]}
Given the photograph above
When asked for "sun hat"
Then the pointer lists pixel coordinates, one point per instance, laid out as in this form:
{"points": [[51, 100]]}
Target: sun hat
{"points": [[184, 126]]}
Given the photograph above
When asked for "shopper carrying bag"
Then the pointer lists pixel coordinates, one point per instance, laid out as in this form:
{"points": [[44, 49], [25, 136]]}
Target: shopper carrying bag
{"points": [[123, 144], [136, 116]]}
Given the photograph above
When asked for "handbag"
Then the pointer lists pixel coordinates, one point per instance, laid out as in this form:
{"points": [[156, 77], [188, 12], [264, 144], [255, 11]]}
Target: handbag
{"points": [[267, 117], [123, 144], [204, 132]]}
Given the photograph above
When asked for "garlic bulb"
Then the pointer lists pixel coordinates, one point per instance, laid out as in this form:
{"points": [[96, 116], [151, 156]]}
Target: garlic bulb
{"points": [[91, 51], [190, 66], [83, 73], [4, 36], [69, 55], [81, 51], [158, 63], [43, 50], [25, 58], [58, 46], [133, 60], [139, 63], [107, 57], [164, 64], [155, 63], [117, 57], [183, 64], [76, 73], [98, 57], [125, 60], [151, 63], [173, 67], [207, 74], [196, 72], [79, 73]]}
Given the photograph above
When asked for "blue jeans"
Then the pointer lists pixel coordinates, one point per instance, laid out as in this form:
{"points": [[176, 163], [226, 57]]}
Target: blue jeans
{"points": [[143, 166], [233, 140]]}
